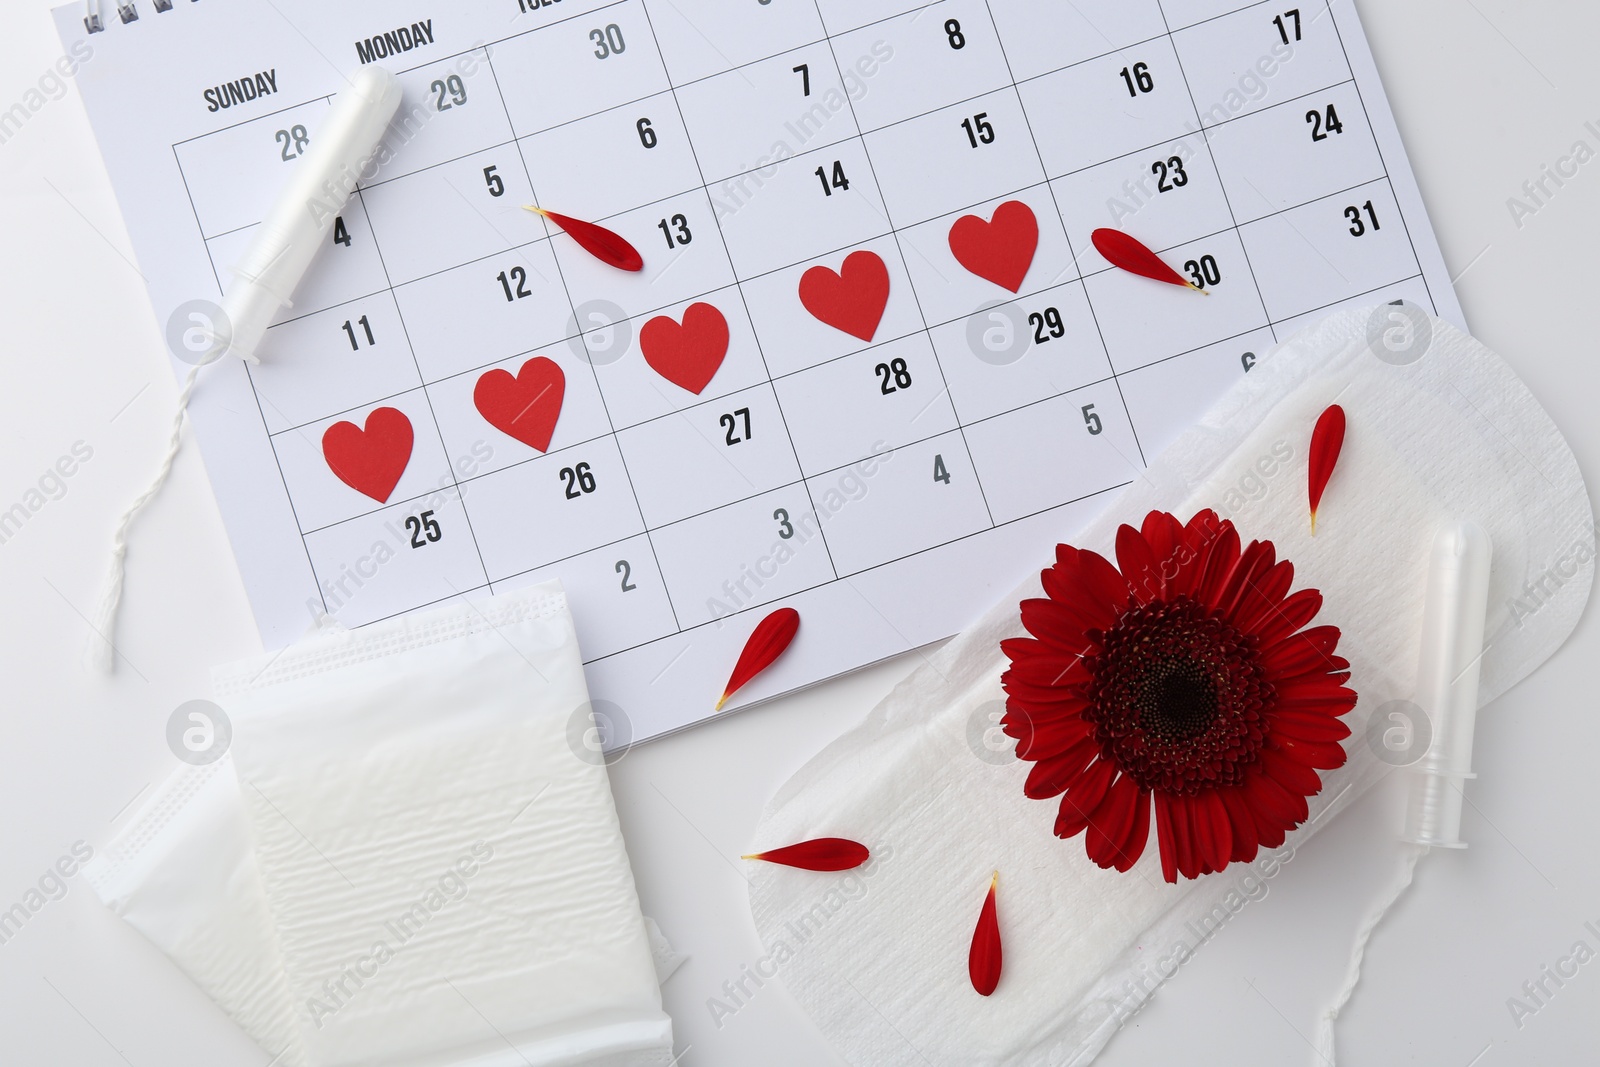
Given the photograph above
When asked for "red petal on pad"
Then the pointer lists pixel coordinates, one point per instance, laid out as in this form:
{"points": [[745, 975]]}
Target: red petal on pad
{"points": [[1125, 252], [822, 854], [983, 959], [770, 637], [1326, 441], [598, 241]]}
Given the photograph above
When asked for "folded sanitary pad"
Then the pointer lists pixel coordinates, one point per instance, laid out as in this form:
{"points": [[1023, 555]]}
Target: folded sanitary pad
{"points": [[403, 860]]}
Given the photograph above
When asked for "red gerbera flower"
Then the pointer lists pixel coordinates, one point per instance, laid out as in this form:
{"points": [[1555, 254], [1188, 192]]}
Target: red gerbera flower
{"points": [[1185, 679]]}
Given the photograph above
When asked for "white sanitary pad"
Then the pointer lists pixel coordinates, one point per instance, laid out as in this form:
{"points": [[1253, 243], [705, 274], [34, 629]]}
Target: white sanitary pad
{"points": [[1439, 429], [411, 864]]}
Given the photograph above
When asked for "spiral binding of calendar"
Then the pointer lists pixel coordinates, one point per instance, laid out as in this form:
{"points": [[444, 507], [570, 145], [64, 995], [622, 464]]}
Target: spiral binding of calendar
{"points": [[126, 11]]}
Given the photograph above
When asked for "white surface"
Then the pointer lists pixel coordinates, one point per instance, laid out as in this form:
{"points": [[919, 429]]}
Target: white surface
{"points": [[1485, 92], [875, 553]]}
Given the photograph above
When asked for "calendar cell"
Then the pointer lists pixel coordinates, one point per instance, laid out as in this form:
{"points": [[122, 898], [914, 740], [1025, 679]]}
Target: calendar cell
{"points": [[753, 552], [451, 214], [332, 361], [616, 595], [950, 291], [884, 397], [574, 165], [1143, 320], [1182, 13], [794, 338], [1164, 196], [749, 117], [321, 498], [735, 36], [1166, 397], [1108, 107], [1329, 249], [579, 67], [232, 174], [485, 311], [1263, 55], [1014, 352], [535, 513], [1079, 443], [566, 405], [658, 372], [683, 257], [831, 188], [980, 149], [1045, 35], [904, 501], [840, 16], [351, 268], [1414, 289], [396, 559], [704, 457], [927, 59], [532, 14], [447, 110], [1296, 152]]}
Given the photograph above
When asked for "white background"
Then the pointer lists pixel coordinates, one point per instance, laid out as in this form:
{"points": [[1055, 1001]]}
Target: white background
{"points": [[1485, 91]]}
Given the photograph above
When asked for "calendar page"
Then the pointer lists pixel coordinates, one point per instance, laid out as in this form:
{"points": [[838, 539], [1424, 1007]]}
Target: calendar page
{"points": [[873, 368]]}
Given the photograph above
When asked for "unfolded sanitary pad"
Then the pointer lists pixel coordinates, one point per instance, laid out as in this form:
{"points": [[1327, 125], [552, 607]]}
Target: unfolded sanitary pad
{"points": [[403, 860], [1440, 429]]}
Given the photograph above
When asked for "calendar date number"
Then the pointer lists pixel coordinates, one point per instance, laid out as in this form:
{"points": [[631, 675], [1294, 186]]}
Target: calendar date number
{"points": [[893, 376], [424, 529], [579, 480]]}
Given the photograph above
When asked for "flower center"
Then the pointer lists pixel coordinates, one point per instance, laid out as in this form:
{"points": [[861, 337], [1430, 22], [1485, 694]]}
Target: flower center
{"points": [[1180, 704], [1177, 697]]}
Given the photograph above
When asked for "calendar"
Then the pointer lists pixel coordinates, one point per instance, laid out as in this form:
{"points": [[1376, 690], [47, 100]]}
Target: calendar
{"points": [[873, 368]]}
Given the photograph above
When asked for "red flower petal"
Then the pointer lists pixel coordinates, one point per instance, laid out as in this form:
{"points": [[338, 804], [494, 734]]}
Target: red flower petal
{"points": [[765, 644], [1051, 776], [1166, 840], [608, 247], [820, 854], [1132, 256], [983, 958], [1309, 726], [1322, 755], [1112, 823], [1326, 441], [1241, 823], [1138, 833]]}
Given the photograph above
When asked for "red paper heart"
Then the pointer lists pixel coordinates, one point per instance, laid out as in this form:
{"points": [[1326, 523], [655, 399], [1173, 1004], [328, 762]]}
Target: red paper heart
{"points": [[370, 460], [686, 355], [525, 407], [851, 300], [1001, 249]]}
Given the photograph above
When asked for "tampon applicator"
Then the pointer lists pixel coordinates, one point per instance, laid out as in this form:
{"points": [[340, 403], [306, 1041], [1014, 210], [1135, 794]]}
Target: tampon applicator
{"points": [[1447, 681], [319, 187], [1450, 653], [264, 281]]}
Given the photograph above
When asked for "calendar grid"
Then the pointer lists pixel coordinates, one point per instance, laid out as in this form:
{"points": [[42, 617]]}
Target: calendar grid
{"points": [[738, 286], [528, 173], [1367, 115], [798, 592], [1097, 315], [1088, 300], [1205, 137], [944, 381], [423, 385]]}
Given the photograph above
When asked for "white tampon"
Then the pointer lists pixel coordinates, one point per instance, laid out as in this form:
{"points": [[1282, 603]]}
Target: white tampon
{"points": [[265, 280], [1447, 681], [1456, 601], [319, 186]]}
